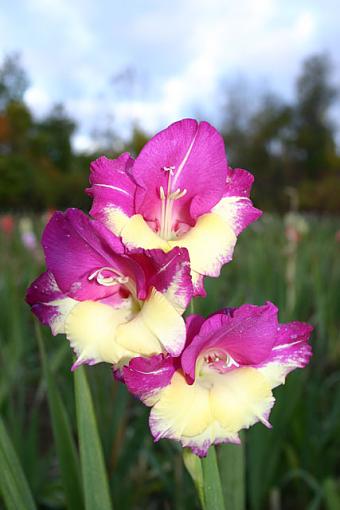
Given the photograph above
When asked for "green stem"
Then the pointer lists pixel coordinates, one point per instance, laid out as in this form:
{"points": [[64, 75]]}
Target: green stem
{"points": [[213, 495], [232, 470]]}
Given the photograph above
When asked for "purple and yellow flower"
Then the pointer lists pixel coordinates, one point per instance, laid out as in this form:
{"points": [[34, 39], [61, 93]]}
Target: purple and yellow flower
{"points": [[179, 192], [112, 304], [224, 379]]}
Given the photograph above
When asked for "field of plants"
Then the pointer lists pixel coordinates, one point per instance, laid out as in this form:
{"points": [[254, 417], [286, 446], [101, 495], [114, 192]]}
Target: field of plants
{"points": [[49, 443]]}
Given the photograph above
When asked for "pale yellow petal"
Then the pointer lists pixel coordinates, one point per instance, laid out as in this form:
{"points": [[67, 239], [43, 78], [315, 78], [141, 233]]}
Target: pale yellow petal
{"points": [[137, 234], [275, 373], [240, 398], [63, 307], [164, 321], [182, 410], [91, 330], [210, 243], [136, 336], [116, 219], [228, 208], [212, 410]]}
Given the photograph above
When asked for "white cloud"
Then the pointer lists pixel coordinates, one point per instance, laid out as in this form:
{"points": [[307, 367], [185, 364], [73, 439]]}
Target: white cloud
{"points": [[84, 143], [183, 48], [38, 99], [223, 47]]}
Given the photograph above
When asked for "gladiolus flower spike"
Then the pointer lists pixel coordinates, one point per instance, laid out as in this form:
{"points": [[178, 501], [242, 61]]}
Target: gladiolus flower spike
{"points": [[117, 285]]}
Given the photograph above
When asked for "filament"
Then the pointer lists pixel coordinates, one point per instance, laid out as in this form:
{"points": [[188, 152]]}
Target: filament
{"points": [[168, 198]]}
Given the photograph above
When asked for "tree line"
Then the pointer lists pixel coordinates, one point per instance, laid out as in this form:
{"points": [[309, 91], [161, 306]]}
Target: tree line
{"points": [[288, 145]]}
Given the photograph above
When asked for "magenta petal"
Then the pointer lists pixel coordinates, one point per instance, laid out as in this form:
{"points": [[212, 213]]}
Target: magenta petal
{"points": [[171, 272], [196, 153], [238, 209], [292, 333], [41, 292], [247, 335], [74, 247], [111, 186], [291, 348], [245, 214], [145, 376], [48, 303], [193, 324], [239, 183], [239, 212], [199, 290]]}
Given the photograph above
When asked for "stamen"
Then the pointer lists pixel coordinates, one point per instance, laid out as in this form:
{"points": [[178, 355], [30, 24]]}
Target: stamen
{"points": [[216, 356], [108, 281], [168, 199], [212, 357], [231, 362], [175, 195]]}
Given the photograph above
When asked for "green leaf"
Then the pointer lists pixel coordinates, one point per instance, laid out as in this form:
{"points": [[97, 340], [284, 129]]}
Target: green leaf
{"points": [[13, 484], [65, 446], [96, 488], [232, 472], [264, 447], [331, 494], [213, 496]]}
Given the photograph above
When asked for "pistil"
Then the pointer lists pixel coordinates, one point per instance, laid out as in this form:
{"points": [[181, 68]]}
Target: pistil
{"points": [[117, 278]]}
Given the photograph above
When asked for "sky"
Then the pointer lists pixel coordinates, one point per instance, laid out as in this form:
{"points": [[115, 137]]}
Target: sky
{"points": [[117, 63]]}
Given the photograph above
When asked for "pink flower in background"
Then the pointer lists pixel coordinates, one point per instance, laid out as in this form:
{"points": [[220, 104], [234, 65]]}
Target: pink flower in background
{"points": [[7, 224], [178, 192], [112, 304], [224, 379], [27, 234]]}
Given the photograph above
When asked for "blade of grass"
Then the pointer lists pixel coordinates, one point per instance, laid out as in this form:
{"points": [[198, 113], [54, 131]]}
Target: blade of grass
{"points": [[264, 447], [13, 484], [331, 494], [96, 488], [65, 446]]}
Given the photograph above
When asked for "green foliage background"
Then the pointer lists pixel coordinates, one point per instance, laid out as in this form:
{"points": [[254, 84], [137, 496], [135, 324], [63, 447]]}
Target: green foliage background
{"points": [[294, 465]]}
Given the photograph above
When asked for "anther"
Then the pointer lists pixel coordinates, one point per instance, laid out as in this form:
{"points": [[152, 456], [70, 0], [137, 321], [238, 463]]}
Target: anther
{"points": [[175, 195]]}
